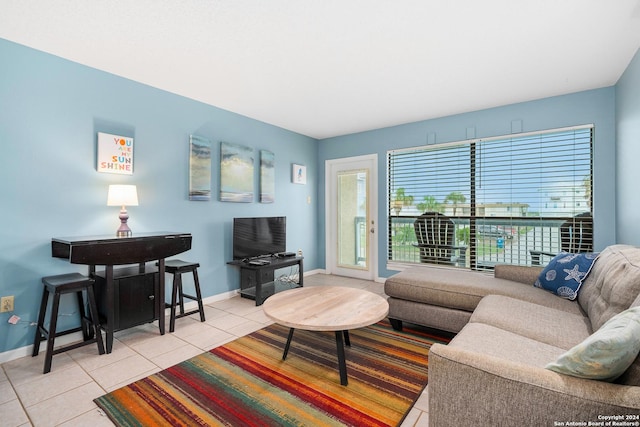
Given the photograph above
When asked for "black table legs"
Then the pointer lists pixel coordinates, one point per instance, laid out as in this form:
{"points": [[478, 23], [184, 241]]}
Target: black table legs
{"points": [[342, 339], [288, 344], [342, 364]]}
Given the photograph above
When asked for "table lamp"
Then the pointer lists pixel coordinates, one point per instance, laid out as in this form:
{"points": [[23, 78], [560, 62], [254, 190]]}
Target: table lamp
{"points": [[123, 195]]}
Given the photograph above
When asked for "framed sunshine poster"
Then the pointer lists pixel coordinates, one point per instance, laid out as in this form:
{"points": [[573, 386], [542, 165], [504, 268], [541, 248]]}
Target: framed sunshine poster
{"points": [[115, 154]]}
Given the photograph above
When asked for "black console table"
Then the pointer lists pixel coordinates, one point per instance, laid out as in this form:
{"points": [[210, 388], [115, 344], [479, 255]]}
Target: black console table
{"points": [[258, 282], [114, 293]]}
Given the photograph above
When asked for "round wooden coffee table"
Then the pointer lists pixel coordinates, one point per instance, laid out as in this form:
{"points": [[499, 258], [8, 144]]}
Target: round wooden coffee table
{"points": [[326, 308]]}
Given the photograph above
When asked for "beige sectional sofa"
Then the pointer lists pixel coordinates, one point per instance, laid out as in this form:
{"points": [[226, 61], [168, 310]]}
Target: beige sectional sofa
{"points": [[493, 372]]}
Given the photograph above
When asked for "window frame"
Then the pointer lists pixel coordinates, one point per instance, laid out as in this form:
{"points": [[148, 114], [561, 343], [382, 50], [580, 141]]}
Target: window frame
{"points": [[474, 217]]}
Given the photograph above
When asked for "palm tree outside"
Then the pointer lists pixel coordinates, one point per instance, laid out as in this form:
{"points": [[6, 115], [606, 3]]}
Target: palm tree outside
{"points": [[401, 199], [456, 198], [429, 204]]}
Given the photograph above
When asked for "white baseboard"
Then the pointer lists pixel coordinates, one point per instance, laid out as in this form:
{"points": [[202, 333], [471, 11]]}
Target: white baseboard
{"points": [[77, 336], [17, 353], [322, 271]]}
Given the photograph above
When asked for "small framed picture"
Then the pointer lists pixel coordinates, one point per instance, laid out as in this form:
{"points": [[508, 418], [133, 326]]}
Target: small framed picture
{"points": [[115, 154], [299, 174]]}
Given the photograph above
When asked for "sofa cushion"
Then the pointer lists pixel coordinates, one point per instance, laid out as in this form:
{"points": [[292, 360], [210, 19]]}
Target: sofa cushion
{"points": [[548, 325], [468, 388], [607, 353], [433, 316], [565, 273], [613, 284], [632, 375], [463, 289], [495, 342], [526, 274], [636, 302]]}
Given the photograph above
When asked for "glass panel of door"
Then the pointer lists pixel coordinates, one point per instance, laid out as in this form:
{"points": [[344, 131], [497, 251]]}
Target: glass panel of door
{"points": [[353, 219]]}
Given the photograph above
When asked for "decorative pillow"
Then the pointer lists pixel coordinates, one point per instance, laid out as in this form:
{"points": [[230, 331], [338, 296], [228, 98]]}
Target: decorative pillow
{"points": [[607, 353], [565, 273]]}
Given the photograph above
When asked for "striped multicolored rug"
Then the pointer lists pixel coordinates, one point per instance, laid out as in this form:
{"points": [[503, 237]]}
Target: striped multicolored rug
{"points": [[246, 382]]}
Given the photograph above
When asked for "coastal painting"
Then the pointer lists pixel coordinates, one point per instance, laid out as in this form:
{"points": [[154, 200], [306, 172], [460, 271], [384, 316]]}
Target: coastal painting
{"points": [[236, 173], [267, 177], [199, 168]]}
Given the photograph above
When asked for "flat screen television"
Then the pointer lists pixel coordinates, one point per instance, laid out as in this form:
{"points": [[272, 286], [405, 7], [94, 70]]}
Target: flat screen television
{"points": [[256, 237]]}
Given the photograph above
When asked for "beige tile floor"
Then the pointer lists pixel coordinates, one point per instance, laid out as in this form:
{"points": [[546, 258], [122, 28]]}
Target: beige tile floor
{"points": [[64, 397]]}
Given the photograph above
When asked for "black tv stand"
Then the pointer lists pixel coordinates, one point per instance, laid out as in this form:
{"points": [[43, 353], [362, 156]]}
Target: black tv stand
{"points": [[258, 282]]}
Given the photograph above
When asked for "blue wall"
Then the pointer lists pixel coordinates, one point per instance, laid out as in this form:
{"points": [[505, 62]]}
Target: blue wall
{"points": [[50, 112], [596, 106], [628, 143]]}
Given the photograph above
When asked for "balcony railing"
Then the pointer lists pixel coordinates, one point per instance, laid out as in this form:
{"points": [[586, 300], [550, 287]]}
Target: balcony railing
{"points": [[497, 241]]}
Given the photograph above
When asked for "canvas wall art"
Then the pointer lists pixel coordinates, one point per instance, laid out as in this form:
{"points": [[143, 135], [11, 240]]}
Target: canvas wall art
{"points": [[236, 173], [199, 168], [115, 154], [267, 177]]}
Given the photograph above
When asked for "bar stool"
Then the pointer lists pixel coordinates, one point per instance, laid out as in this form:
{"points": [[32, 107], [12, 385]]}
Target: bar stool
{"points": [[177, 267], [90, 326]]}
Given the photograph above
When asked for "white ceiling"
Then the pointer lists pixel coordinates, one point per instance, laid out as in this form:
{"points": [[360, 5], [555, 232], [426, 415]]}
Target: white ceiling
{"points": [[332, 67]]}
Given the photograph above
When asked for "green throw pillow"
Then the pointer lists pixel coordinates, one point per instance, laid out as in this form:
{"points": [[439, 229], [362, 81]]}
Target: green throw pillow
{"points": [[606, 353]]}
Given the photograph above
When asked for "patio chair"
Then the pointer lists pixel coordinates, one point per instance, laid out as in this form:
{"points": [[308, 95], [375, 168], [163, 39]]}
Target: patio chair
{"points": [[576, 235], [435, 234]]}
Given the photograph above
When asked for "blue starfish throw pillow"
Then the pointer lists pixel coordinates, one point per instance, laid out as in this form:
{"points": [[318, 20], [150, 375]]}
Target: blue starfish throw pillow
{"points": [[565, 273]]}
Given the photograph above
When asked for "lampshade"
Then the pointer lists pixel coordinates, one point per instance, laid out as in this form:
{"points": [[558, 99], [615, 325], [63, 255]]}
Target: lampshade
{"points": [[122, 195]]}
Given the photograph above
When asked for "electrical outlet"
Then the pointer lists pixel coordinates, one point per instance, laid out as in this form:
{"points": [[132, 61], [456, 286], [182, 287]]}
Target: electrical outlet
{"points": [[6, 304]]}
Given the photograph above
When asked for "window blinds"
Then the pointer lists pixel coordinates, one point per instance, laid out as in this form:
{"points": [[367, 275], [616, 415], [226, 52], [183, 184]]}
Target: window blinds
{"points": [[494, 188]]}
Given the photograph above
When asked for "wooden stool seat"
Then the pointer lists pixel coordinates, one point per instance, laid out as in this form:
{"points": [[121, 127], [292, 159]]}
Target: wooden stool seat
{"points": [[177, 267], [89, 325]]}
